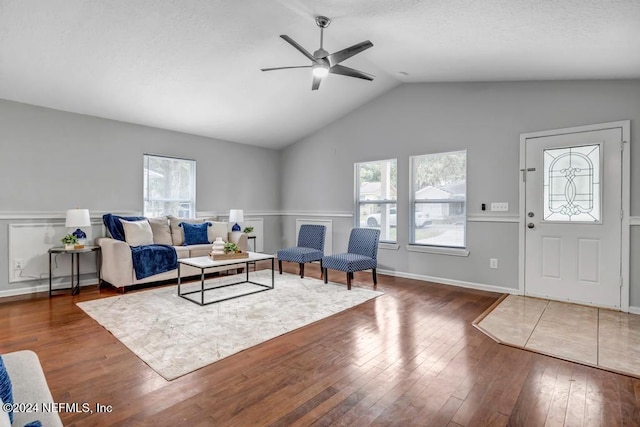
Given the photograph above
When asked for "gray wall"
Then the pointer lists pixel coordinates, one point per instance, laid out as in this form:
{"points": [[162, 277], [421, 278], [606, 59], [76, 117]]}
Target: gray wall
{"points": [[38, 144], [51, 161], [486, 119]]}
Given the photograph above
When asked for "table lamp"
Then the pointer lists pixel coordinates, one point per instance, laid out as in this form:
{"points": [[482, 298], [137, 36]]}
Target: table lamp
{"points": [[78, 218], [236, 216]]}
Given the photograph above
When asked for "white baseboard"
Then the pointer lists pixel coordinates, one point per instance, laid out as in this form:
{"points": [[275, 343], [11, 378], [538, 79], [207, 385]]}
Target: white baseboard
{"points": [[634, 310], [459, 283], [44, 288], [470, 285]]}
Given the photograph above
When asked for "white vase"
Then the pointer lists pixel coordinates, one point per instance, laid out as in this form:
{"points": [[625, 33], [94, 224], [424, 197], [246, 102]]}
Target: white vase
{"points": [[218, 246]]}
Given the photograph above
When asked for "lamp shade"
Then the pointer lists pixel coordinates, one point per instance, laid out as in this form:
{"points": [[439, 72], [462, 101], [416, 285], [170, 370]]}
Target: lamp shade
{"points": [[78, 218], [236, 215]]}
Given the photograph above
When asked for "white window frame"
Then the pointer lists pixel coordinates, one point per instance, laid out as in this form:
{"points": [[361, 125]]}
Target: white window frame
{"points": [[359, 202], [435, 248], [191, 202]]}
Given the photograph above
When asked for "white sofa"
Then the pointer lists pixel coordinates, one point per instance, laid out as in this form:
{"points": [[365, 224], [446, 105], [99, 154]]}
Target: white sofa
{"points": [[29, 386], [117, 262]]}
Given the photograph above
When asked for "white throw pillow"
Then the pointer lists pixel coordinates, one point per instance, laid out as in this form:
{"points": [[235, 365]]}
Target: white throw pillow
{"points": [[217, 229], [137, 233]]}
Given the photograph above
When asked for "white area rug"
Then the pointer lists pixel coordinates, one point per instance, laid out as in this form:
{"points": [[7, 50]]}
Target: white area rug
{"points": [[175, 336]]}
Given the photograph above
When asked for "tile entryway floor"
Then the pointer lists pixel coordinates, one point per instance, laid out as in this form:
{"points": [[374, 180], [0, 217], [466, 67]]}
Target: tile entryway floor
{"points": [[593, 336]]}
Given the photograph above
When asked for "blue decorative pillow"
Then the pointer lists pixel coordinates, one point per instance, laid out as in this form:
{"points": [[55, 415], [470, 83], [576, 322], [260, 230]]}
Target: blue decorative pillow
{"points": [[195, 234], [6, 389], [114, 226]]}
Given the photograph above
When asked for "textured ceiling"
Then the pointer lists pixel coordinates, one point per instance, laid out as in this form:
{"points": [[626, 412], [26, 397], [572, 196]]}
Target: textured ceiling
{"points": [[194, 65]]}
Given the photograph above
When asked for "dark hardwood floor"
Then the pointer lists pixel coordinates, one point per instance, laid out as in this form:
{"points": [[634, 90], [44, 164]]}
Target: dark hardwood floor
{"points": [[409, 357]]}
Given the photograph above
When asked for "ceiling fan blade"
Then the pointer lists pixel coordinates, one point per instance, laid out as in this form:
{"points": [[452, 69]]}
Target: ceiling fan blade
{"points": [[302, 50], [338, 57], [285, 68], [316, 83], [350, 72]]}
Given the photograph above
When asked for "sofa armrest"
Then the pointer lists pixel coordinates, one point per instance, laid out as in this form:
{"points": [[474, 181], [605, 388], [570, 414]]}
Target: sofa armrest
{"points": [[30, 386], [117, 262], [239, 239]]}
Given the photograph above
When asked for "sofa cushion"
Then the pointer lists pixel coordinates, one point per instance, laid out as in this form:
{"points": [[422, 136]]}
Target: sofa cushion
{"points": [[177, 233], [114, 226], [199, 250], [161, 230], [195, 234], [137, 233], [218, 229], [182, 251]]}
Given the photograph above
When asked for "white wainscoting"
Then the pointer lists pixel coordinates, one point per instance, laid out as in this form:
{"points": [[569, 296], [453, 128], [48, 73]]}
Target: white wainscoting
{"points": [[328, 238], [30, 243]]}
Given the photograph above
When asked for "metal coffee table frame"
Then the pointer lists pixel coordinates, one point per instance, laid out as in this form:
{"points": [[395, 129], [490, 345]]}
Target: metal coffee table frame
{"points": [[205, 262]]}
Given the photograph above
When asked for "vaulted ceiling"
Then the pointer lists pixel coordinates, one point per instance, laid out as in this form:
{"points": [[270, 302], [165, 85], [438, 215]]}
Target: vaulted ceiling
{"points": [[194, 66]]}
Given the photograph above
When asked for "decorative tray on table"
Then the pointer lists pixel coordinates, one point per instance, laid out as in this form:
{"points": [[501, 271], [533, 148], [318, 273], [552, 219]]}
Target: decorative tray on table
{"points": [[236, 255]]}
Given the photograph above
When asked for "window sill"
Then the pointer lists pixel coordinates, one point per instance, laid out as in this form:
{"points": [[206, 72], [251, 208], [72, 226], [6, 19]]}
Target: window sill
{"points": [[389, 246], [439, 251]]}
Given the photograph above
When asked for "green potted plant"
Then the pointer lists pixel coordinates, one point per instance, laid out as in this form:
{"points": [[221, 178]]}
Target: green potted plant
{"points": [[69, 241], [247, 230], [231, 248]]}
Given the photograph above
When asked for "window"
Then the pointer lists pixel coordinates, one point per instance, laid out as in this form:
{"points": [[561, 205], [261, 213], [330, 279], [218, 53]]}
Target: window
{"points": [[438, 199], [169, 186], [376, 195], [572, 184]]}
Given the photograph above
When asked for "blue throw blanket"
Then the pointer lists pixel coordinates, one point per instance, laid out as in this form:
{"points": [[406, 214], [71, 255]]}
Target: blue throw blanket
{"points": [[153, 259]]}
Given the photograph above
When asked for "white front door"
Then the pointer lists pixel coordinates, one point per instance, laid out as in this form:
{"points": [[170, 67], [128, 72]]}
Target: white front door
{"points": [[573, 216]]}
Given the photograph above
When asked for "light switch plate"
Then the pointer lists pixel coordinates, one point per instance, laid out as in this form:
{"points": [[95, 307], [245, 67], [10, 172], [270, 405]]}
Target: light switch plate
{"points": [[499, 207]]}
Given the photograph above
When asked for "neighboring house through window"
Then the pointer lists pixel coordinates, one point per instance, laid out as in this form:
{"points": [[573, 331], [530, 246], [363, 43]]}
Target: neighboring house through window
{"points": [[438, 199], [169, 186], [376, 197]]}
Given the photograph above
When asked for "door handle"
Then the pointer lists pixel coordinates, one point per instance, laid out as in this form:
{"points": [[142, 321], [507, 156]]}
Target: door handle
{"points": [[531, 225]]}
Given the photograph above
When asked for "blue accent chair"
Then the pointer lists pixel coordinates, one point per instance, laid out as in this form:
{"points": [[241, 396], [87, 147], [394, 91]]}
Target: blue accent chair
{"points": [[310, 247], [362, 254]]}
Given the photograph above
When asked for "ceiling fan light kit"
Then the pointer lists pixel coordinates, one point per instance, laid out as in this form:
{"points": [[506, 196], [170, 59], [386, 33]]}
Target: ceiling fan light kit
{"points": [[323, 63], [320, 71]]}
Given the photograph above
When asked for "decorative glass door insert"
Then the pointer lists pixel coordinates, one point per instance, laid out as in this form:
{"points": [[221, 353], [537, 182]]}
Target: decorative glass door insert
{"points": [[572, 183]]}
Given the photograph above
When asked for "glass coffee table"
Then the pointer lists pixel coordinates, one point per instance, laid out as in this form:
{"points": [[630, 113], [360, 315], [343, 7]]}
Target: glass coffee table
{"points": [[206, 262]]}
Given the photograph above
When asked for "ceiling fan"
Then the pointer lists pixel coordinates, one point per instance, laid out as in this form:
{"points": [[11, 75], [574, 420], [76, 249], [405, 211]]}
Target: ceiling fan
{"points": [[323, 63]]}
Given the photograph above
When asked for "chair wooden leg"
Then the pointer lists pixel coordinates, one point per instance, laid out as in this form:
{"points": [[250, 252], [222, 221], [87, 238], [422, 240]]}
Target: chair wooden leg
{"points": [[321, 270], [280, 266], [326, 276], [349, 276], [375, 277], [302, 270]]}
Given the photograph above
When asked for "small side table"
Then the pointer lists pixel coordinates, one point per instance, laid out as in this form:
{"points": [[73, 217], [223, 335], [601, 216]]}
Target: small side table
{"points": [[255, 249], [75, 265]]}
